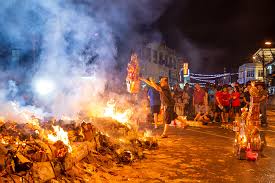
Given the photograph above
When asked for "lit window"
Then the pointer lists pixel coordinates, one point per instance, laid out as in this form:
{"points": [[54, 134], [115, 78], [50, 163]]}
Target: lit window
{"points": [[260, 73], [250, 73]]}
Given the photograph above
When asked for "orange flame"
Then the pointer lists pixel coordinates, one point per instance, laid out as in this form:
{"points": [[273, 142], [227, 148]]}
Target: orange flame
{"points": [[60, 135], [148, 133], [122, 117]]}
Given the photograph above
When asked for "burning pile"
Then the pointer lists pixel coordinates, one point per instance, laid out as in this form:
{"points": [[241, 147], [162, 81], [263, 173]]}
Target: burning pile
{"points": [[39, 151]]}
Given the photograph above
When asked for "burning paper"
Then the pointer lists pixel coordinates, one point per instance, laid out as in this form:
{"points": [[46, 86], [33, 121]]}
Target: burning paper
{"points": [[60, 135]]}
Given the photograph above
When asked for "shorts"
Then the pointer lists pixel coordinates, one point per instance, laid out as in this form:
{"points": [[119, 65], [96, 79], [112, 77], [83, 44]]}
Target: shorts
{"points": [[236, 109], [200, 109], [226, 109], [217, 109], [169, 114], [155, 109]]}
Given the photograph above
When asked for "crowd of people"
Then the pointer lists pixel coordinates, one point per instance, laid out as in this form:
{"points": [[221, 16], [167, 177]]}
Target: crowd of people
{"points": [[210, 103]]}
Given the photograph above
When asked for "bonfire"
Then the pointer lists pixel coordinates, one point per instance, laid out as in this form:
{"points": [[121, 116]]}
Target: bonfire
{"points": [[43, 150]]}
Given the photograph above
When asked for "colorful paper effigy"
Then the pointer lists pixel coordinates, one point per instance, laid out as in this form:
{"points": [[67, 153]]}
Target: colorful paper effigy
{"points": [[132, 79]]}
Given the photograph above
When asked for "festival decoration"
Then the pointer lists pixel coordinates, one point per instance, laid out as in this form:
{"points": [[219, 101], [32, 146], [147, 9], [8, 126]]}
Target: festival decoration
{"points": [[132, 79], [249, 140], [209, 78], [212, 75]]}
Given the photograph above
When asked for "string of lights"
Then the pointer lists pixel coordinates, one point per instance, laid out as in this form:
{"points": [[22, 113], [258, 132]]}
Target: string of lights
{"points": [[201, 80], [210, 76]]}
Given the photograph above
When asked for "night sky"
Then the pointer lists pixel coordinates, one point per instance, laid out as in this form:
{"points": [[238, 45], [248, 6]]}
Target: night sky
{"points": [[214, 34]]}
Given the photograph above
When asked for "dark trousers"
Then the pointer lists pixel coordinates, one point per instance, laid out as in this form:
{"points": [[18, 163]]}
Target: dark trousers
{"points": [[188, 111], [263, 113]]}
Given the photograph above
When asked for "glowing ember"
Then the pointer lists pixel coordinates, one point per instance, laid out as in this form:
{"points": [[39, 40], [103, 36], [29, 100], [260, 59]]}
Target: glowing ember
{"points": [[148, 133], [60, 135], [244, 140], [3, 141], [122, 117]]}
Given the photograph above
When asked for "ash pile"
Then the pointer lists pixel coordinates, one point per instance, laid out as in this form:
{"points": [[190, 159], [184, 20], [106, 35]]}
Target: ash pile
{"points": [[55, 151]]}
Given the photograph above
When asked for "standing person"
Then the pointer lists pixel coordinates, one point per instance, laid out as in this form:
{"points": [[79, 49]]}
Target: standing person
{"points": [[225, 101], [230, 90], [185, 99], [177, 92], [177, 96], [211, 98], [200, 101], [189, 108], [167, 102], [241, 90], [263, 103], [236, 103], [246, 95], [218, 104], [154, 98]]}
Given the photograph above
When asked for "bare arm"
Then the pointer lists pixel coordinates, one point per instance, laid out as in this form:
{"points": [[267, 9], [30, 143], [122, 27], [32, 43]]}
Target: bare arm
{"points": [[206, 99], [218, 100], [152, 84], [263, 98]]}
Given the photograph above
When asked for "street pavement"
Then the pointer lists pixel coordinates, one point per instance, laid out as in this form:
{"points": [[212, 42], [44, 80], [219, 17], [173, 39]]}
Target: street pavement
{"points": [[201, 155]]}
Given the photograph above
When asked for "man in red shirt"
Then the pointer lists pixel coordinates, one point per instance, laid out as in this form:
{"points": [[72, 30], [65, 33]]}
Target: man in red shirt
{"points": [[218, 104], [236, 103], [199, 99], [225, 101]]}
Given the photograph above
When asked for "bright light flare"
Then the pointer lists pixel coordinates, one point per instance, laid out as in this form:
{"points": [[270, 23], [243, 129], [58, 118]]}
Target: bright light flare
{"points": [[268, 43], [44, 86]]}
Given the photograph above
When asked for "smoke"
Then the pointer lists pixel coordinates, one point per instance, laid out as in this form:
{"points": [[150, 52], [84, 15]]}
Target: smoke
{"points": [[76, 46], [201, 58]]}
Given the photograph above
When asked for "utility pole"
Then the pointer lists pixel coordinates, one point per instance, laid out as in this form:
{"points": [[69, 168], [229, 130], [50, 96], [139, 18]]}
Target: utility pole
{"points": [[263, 65]]}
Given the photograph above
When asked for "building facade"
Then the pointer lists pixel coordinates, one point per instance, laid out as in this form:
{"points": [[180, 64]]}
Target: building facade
{"points": [[265, 57], [249, 72], [158, 60]]}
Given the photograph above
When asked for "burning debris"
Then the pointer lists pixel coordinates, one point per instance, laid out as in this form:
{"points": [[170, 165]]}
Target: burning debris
{"points": [[67, 74], [54, 150]]}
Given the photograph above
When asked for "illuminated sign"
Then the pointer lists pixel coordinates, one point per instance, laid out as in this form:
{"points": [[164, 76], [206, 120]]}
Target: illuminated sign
{"points": [[185, 69]]}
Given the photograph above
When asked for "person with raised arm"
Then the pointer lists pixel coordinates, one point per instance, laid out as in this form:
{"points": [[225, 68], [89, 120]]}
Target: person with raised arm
{"points": [[167, 101]]}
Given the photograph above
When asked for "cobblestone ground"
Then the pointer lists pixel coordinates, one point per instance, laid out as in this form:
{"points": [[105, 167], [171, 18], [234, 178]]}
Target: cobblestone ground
{"points": [[201, 155]]}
